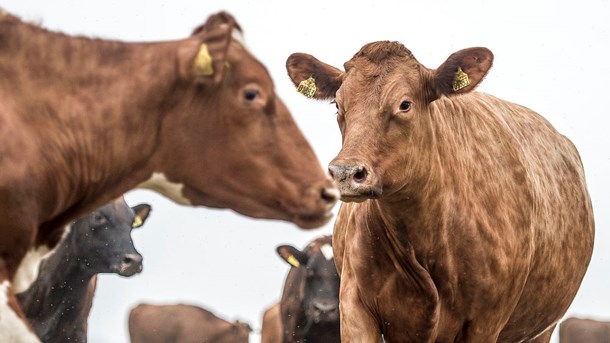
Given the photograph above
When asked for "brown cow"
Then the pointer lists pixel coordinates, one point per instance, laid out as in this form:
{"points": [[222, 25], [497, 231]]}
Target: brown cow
{"points": [[84, 120], [577, 330], [467, 218], [309, 308], [183, 324]]}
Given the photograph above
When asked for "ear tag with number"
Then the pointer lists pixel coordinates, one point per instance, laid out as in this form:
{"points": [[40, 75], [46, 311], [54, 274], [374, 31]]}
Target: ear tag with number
{"points": [[293, 261], [460, 80], [203, 61], [137, 222], [308, 87]]}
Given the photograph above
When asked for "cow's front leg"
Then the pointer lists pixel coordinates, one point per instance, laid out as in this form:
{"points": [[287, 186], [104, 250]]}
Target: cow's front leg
{"points": [[357, 323], [14, 327]]}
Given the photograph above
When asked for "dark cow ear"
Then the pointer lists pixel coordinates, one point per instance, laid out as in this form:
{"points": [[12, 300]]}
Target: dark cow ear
{"points": [[205, 57], [292, 255], [141, 212], [313, 78], [462, 71]]}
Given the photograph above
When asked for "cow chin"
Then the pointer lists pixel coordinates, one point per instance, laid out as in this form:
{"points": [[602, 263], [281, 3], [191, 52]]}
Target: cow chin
{"points": [[256, 208]]}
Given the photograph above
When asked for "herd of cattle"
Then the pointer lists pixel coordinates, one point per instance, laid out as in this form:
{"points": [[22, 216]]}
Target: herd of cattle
{"points": [[458, 207]]}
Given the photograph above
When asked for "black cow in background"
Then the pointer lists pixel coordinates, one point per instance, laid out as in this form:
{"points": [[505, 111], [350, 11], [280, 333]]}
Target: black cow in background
{"points": [[309, 308], [59, 301]]}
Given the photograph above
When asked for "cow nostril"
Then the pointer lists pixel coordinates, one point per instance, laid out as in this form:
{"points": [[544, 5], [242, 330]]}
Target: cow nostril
{"points": [[360, 175], [131, 259]]}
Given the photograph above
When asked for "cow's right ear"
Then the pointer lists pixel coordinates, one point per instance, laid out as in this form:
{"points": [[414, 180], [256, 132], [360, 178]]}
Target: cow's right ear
{"points": [[292, 255], [313, 78], [204, 57]]}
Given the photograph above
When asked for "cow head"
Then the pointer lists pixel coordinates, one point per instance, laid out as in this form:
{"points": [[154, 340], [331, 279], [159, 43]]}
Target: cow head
{"points": [[314, 283], [232, 141], [383, 101], [102, 239]]}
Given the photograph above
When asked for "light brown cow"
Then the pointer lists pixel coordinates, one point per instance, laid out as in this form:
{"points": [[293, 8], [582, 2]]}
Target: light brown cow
{"points": [[578, 330], [467, 218], [272, 331], [84, 120], [183, 324]]}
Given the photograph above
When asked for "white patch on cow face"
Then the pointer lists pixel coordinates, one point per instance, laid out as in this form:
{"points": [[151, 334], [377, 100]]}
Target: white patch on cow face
{"points": [[159, 183], [327, 251], [27, 272], [12, 328]]}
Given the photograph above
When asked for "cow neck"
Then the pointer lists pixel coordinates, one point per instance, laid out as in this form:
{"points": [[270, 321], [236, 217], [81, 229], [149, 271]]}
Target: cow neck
{"points": [[61, 292], [100, 104]]}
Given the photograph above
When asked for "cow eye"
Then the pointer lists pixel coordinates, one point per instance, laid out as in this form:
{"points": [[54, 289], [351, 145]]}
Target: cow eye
{"points": [[251, 95], [405, 105], [99, 219], [310, 272]]}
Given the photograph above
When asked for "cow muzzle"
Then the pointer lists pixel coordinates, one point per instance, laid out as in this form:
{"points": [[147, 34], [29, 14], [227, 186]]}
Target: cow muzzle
{"points": [[130, 264], [325, 310], [356, 181]]}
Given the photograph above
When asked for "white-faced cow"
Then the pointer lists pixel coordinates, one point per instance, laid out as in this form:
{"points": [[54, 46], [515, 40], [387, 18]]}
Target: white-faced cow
{"points": [[84, 120], [579, 330], [183, 324], [466, 217], [309, 307], [59, 301]]}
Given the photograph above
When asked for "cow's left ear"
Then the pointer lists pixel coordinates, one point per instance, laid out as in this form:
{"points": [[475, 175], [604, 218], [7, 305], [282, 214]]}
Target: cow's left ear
{"points": [[462, 71], [206, 56], [292, 255], [141, 212], [313, 78]]}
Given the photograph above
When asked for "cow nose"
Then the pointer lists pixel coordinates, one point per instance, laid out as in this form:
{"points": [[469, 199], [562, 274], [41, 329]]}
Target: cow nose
{"points": [[348, 172], [130, 264], [325, 306]]}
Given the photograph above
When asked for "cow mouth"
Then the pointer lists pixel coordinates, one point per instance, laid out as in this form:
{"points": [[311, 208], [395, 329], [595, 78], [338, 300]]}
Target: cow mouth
{"points": [[361, 194]]}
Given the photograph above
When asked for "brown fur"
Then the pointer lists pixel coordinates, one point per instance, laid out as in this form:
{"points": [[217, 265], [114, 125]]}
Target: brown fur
{"points": [[467, 218], [182, 324], [84, 120], [578, 330], [272, 330]]}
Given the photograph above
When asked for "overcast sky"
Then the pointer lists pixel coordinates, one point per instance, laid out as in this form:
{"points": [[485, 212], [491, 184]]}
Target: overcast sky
{"points": [[551, 56]]}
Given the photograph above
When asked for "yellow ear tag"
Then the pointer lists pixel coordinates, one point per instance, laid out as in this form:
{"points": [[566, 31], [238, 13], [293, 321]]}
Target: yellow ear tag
{"points": [[137, 222], [203, 61], [308, 87], [460, 80], [293, 261]]}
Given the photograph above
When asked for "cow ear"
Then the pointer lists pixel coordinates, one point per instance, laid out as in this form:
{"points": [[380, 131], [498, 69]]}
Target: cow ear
{"points": [[292, 255], [141, 212], [206, 56], [462, 71], [313, 78]]}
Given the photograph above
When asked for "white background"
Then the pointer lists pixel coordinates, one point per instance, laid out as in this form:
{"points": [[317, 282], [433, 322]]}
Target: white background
{"points": [[552, 56]]}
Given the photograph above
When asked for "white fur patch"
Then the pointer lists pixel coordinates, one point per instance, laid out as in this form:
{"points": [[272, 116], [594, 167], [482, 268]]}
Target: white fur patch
{"points": [[327, 251], [12, 328], [159, 183], [238, 37], [27, 272]]}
